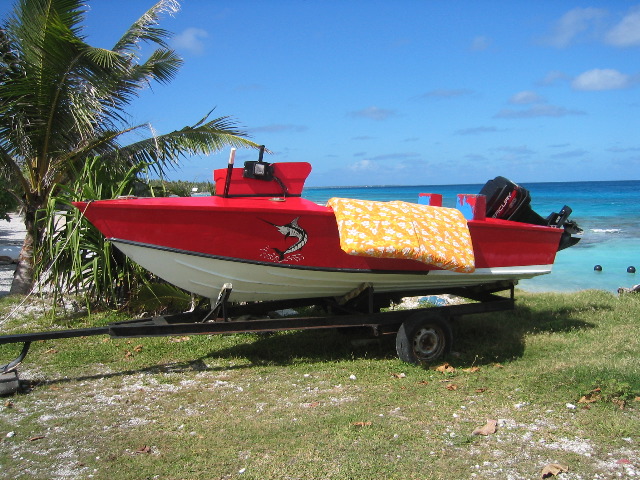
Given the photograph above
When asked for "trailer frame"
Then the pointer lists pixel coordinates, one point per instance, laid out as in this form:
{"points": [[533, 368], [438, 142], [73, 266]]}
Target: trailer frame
{"points": [[422, 334]]}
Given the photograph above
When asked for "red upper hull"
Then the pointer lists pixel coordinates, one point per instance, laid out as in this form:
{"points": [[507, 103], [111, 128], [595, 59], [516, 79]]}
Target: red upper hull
{"points": [[246, 229]]}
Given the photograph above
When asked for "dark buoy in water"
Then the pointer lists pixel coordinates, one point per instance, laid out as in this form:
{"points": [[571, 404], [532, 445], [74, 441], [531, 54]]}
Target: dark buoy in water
{"points": [[598, 268], [631, 269]]}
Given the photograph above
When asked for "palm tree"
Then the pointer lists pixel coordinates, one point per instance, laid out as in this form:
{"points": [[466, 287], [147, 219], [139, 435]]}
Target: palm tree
{"points": [[63, 101]]}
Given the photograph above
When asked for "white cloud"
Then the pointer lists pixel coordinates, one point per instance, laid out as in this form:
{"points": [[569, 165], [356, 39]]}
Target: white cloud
{"points": [[249, 87], [362, 165], [476, 130], [531, 105], [396, 156], [526, 97], [480, 43], [573, 23], [539, 110], [577, 153], [447, 93], [553, 77], [522, 150], [374, 113], [279, 128], [190, 40], [627, 32], [601, 79], [363, 137], [623, 149]]}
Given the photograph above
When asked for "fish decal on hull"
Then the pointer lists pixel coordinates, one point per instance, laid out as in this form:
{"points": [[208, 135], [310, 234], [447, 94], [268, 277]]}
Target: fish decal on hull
{"points": [[291, 229]]}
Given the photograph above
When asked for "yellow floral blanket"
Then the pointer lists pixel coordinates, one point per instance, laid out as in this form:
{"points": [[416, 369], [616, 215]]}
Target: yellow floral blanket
{"points": [[433, 235]]}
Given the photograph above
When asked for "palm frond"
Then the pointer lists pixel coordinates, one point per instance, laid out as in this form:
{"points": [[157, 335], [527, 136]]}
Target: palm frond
{"points": [[103, 57], [162, 66], [146, 28], [205, 137]]}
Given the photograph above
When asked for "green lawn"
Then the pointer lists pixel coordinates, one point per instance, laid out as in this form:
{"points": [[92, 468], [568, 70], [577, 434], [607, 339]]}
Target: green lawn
{"points": [[560, 375]]}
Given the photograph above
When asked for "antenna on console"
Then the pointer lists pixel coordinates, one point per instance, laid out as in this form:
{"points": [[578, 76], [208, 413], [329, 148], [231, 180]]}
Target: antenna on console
{"points": [[227, 182]]}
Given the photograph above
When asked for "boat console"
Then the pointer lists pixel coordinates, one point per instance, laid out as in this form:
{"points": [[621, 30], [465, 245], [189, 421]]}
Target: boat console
{"points": [[261, 179]]}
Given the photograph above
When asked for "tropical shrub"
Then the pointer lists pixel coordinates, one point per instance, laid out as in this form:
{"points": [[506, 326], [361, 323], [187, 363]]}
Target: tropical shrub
{"points": [[181, 188], [75, 256]]}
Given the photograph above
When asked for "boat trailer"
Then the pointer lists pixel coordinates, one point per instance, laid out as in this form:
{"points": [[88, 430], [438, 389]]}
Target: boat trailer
{"points": [[423, 335]]}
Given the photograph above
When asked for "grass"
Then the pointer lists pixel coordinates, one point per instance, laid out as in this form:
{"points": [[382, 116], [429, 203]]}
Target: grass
{"points": [[561, 375]]}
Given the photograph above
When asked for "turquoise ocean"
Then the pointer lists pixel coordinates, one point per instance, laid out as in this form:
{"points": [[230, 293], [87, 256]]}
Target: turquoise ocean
{"points": [[608, 212]]}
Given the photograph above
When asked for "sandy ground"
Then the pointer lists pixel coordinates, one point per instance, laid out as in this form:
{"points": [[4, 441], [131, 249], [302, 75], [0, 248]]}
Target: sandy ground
{"points": [[11, 237]]}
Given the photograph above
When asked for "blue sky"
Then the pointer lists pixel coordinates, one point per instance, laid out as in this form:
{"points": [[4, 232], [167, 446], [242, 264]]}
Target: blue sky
{"points": [[405, 91]]}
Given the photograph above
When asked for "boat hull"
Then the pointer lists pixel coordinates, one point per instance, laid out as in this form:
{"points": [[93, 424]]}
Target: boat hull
{"points": [[253, 281]]}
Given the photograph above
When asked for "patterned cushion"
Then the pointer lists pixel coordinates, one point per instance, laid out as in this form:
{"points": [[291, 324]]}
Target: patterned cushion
{"points": [[433, 235]]}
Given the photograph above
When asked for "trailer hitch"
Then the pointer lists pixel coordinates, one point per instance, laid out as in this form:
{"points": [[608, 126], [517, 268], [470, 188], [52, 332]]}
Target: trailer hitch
{"points": [[12, 365]]}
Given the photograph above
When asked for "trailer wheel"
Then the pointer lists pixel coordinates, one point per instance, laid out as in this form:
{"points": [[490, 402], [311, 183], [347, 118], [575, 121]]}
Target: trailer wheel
{"points": [[9, 383], [423, 338]]}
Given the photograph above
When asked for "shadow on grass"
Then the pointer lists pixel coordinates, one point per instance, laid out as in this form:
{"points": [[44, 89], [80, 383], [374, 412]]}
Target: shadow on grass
{"points": [[500, 337], [478, 339], [279, 349]]}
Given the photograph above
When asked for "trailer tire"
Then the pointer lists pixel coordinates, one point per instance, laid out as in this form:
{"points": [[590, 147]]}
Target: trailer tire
{"points": [[423, 338], [9, 383]]}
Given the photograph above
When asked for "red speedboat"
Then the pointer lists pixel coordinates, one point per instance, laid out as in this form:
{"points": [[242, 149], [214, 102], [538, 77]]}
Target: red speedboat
{"points": [[259, 235]]}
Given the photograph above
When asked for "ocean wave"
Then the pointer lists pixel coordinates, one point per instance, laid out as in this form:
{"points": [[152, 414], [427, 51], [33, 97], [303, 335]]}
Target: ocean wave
{"points": [[606, 230]]}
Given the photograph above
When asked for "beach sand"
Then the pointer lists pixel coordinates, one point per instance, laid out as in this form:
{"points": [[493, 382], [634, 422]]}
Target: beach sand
{"points": [[11, 238]]}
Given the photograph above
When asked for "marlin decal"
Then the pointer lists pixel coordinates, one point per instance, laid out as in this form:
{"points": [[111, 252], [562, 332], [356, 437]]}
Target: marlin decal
{"points": [[291, 229]]}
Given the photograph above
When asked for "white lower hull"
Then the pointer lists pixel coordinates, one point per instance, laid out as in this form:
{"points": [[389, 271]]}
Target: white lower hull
{"points": [[206, 276]]}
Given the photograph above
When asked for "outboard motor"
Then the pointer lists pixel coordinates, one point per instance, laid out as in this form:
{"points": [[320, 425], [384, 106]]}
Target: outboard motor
{"points": [[507, 200]]}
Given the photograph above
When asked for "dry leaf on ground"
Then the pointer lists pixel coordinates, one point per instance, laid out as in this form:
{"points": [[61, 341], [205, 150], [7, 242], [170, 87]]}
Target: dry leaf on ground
{"points": [[144, 449], [398, 375], [452, 387], [488, 428], [553, 469], [445, 368], [361, 424], [619, 402], [472, 369], [179, 340], [591, 397]]}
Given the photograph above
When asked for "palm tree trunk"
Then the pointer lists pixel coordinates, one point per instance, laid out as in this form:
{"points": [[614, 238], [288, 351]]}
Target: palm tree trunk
{"points": [[23, 278]]}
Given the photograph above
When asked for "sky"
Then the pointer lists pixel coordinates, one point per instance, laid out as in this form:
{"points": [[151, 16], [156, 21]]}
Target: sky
{"points": [[403, 92]]}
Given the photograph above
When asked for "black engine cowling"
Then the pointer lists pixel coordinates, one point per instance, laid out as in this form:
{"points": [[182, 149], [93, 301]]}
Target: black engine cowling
{"points": [[507, 200]]}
